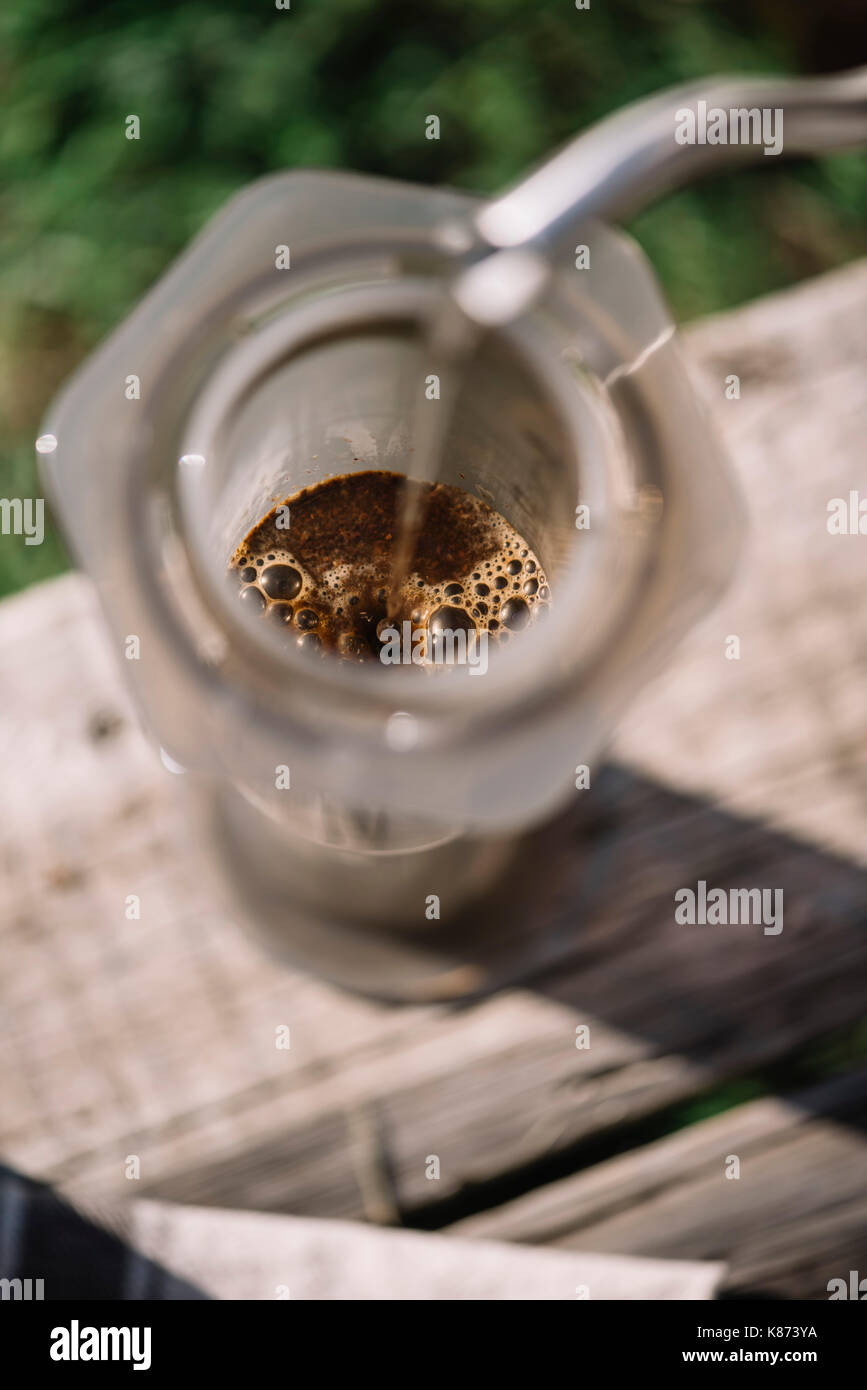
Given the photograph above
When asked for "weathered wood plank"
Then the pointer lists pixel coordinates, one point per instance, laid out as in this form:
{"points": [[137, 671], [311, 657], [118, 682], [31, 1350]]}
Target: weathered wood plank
{"points": [[779, 733], [502, 1086], [795, 1218]]}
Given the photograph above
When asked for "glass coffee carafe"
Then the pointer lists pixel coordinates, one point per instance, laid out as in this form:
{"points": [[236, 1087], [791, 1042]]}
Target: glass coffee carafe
{"points": [[360, 815]]}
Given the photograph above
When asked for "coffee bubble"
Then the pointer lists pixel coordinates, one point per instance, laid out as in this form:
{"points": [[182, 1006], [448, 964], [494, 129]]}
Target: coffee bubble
{"points": [[515, 614], [350, 644], [281, 581], [448, 619], [252, 597]]}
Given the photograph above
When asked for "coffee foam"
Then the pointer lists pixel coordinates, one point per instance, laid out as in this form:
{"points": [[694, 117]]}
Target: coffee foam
{"points": [[496, 584]]}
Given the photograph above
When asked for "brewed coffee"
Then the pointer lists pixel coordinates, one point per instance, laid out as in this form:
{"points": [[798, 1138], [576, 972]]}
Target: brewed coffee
{"points": [[321, 563]]}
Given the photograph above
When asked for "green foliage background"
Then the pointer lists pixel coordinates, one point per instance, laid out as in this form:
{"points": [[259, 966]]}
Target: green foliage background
{"points": [[230, 89]]}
